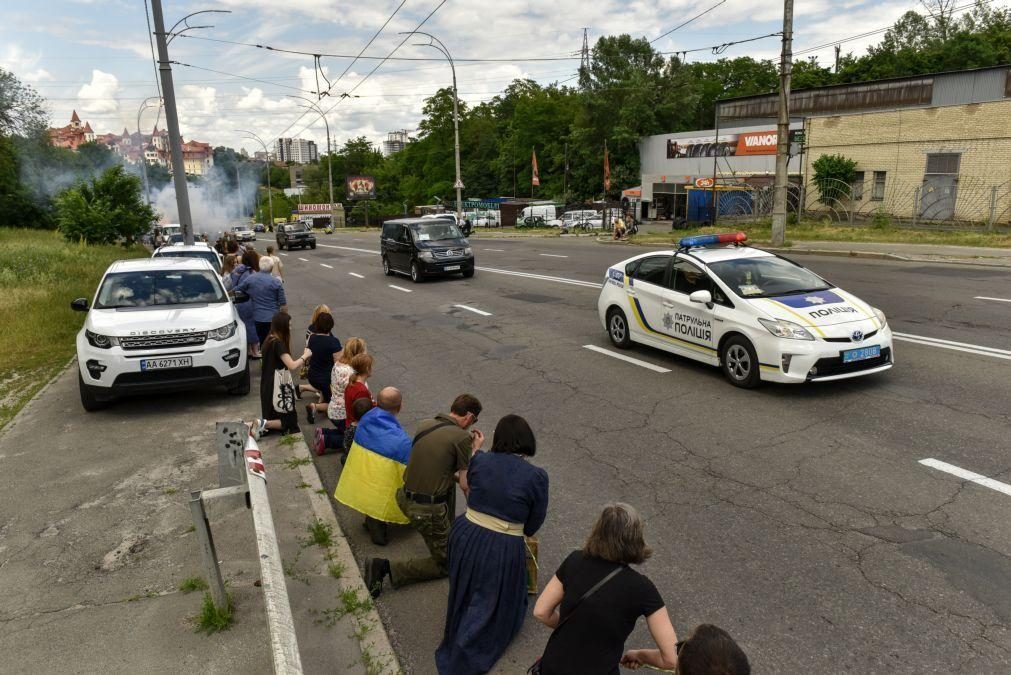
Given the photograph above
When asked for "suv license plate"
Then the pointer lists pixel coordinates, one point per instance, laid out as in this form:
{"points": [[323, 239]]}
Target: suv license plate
{"points": [[164, 364], [861, 354], [451, 268]]}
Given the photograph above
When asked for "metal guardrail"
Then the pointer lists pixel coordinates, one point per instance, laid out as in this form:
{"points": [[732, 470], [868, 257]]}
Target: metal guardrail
{"points": [[241, 472]]}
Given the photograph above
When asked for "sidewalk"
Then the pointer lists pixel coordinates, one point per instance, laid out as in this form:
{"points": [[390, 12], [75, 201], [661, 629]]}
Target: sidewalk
{"points": [[1000, 257], [96, 538]]}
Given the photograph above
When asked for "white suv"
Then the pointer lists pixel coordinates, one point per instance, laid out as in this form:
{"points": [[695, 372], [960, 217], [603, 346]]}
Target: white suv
{"points": [[159, 324]]}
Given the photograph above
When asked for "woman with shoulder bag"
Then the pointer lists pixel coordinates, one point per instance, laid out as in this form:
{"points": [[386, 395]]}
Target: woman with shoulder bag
{"points": [[595, 599], [277, 390]]}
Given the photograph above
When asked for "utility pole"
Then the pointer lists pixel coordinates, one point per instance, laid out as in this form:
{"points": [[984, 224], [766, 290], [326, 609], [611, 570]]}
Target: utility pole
{"points": [[238, 191], [172, 118], [565, 176], [838, 51], [779, 203]]}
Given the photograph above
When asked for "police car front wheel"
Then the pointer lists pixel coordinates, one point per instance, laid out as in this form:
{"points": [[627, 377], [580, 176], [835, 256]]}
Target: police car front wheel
{"points": [[740, 362], [617, 328]]}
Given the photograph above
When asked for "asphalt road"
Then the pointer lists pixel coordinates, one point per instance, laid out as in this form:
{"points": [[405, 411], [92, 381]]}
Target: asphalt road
{"points": [[798, 518]]}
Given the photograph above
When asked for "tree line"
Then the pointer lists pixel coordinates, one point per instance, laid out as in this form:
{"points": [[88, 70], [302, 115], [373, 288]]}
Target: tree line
{"points": [[629, 90]]}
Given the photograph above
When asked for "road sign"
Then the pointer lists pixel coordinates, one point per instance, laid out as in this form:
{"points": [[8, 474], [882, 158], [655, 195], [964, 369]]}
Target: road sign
{"points": [[458, 185]]}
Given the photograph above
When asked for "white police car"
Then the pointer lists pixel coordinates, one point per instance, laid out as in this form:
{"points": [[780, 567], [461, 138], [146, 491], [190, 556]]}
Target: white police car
{"points": [[757, 315]]}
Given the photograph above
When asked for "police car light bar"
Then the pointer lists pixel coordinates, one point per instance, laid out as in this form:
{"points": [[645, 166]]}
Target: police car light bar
{"points": [[701, 240]]}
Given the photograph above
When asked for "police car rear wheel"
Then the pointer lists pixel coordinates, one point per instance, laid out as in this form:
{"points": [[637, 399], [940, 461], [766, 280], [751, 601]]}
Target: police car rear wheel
{"points": [[617, 329], [740, 363]]}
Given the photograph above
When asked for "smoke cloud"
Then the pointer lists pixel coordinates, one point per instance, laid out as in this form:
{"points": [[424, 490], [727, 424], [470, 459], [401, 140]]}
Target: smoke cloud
{"points": [[216, 204]]}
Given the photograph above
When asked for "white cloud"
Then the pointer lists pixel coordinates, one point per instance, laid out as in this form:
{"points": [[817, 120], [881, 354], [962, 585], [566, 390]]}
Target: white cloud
{"points": [[99, 96], [39, 75]]}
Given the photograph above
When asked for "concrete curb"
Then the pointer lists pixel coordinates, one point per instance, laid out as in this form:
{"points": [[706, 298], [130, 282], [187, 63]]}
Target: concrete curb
{"points": [[981, 261], [376, 641]]}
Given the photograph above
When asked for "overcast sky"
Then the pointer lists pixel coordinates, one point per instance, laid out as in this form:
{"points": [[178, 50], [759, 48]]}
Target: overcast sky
{"points": [[94, 55]]}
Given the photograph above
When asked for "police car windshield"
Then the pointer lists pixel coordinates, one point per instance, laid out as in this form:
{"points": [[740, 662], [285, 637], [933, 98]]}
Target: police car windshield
{"points": [[208, 255], [767, 277], [159, 288], [436, 230]]}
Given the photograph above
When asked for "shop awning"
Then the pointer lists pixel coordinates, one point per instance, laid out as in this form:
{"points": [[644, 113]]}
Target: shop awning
{"points": [[632, 192]]}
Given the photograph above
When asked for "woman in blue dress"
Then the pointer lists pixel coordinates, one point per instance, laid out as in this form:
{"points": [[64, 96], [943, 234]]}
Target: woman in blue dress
{"points": [[508, 498], [250, 263]]}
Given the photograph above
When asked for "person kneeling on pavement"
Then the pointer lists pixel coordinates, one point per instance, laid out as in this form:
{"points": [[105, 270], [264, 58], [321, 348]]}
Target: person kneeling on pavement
{"points": [[375, 466], [440, 454]]}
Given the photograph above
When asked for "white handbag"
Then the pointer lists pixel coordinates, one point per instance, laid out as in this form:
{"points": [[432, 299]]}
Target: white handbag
{"points": [[284, 392]]}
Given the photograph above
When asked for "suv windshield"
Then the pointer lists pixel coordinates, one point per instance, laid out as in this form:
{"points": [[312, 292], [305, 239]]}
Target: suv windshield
{"points": [[240, 228], [159, 288], [298, 227], [767, 277], [436, 230], [208, 255]]}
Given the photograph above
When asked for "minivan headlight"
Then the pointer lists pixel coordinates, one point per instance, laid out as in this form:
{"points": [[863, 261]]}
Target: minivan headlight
{"points": [[426, 256], [786, 329], [222, 333], [100, 341]]}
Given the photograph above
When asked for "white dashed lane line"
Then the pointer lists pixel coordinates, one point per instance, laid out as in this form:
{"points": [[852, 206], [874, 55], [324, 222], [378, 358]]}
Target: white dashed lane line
{"points": [[969, 476], [401, 288], [283, 253], [979, 350], [983, 297], [627, 359], [553, 255], [474, 309], [496, 250], [303, 260], [350, 248], [329, 267], [359, 276]]}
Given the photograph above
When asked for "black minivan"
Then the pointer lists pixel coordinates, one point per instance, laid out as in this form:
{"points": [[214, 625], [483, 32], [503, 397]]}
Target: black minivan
{"points": [[422, 247]]}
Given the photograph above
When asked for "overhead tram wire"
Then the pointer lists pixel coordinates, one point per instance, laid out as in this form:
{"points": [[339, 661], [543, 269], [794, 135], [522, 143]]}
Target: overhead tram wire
{"points": [[520, 59], [685, 23]]}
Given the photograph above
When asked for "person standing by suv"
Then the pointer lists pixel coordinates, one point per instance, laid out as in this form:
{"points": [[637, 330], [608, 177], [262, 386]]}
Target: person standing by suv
{"points": [[440, 454], [267, 295], [278, 270]]}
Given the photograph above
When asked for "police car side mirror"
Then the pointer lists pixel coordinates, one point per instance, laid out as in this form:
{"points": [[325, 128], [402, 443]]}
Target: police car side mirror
{"points": [[702, 297]]}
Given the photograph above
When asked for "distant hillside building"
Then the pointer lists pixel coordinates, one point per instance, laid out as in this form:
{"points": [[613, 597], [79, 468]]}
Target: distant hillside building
{"points": [[295, 150], [395, 142], [72, 135]]}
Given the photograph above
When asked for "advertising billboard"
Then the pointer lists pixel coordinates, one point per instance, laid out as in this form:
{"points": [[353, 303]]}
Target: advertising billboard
{"points": [[361, 187], [729, 145]]}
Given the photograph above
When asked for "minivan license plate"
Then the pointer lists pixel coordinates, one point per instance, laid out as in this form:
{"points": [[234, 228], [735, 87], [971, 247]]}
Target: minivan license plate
{"points": [[164, 364], [861, 354], [452, 268]]}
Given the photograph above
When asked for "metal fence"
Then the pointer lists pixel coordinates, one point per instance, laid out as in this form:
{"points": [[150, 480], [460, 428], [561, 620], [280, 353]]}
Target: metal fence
{"points": [[968, 203]]}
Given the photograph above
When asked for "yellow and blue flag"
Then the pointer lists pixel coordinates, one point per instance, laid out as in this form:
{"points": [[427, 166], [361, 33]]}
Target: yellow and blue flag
{"points": [[374, 470]]}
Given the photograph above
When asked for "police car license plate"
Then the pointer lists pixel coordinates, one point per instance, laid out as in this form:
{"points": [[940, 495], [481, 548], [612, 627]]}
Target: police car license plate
{"points": [[451, 268], [164, 364], [861, 354]]}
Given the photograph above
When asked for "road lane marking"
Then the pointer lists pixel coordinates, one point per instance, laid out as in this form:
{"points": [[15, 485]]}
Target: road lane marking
{"points": [[303, 260], [978, 350], [496, 250], [329, 267], [553, 255], [360, 276], [283, 253], [349, 248], [628, 359], [969, 476], [401, 288], [983, 297], [474, 309], [541, 277]]}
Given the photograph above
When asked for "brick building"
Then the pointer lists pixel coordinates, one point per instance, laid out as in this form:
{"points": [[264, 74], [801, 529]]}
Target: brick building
{"points": [[72, 135]]}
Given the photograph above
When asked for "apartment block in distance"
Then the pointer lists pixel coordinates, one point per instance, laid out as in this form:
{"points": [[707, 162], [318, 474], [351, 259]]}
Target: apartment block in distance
{"points": [[295, 150]]}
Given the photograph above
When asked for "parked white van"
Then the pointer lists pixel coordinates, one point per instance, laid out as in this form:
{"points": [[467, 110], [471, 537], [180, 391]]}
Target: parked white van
{"points": [[546, 213]]}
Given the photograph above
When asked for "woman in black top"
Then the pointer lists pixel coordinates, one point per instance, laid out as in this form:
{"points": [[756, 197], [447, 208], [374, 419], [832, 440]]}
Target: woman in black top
{"points": [[276, 357], [592, 639], [325, 348]]}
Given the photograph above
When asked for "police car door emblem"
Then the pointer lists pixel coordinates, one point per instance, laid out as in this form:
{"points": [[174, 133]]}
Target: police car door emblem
{"points": [[858, 336], [668, 321], [815, 300]]}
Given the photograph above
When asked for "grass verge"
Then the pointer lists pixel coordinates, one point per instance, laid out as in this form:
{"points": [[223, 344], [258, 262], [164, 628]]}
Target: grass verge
{"points": [[40, 273], [214, 619], [760, 232]]}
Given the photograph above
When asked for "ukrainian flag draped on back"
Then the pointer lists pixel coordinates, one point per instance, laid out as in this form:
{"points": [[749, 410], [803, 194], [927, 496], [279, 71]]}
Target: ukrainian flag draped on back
{"points": [[374, 470]]}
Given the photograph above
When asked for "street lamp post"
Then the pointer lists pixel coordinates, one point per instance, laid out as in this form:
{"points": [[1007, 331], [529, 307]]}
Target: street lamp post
{"points": [[171, 115], [329, 155], [143, 153], [435, 43], [266, 159]]}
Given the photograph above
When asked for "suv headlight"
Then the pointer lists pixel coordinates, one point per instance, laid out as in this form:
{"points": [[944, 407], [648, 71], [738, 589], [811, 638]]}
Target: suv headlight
{"points": [[426, 256], [786, 329], [468, 251], [881, 316], [100, 341], [222, 333]]}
